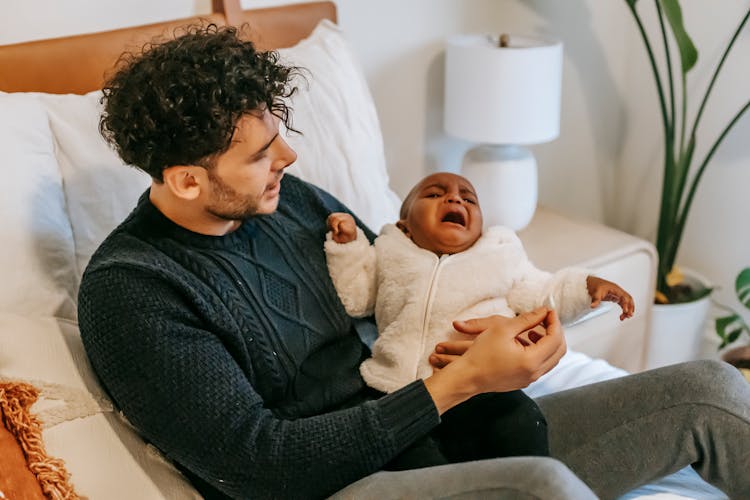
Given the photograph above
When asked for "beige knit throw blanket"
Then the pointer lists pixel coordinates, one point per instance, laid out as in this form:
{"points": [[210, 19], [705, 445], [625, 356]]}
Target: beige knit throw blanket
{"points": [[16, 399]]}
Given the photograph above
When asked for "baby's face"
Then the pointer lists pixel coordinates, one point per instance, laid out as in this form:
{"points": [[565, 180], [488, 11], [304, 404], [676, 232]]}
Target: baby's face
{"points": [[444, 215]]}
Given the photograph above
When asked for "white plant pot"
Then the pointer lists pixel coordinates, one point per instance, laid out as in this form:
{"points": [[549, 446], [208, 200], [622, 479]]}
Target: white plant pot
{"points": [[677, 329]]}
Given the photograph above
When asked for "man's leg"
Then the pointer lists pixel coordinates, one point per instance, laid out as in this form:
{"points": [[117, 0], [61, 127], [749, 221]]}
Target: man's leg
{"points": [[513, 478], [620, 434], [493, 425], [424, 452]]}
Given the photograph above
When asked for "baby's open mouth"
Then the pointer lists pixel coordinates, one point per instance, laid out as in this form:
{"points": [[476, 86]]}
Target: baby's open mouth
{"points": [[455, 217]]}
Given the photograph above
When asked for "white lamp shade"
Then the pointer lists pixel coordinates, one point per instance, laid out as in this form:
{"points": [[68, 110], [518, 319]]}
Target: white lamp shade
{"points": [[503, 95]]}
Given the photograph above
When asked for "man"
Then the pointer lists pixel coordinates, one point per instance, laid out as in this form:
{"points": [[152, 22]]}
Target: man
{"points": [[209, 317]]}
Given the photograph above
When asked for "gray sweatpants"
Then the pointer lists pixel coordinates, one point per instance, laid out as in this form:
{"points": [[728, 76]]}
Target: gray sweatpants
{"points": [[623, 433], [612, 437]]}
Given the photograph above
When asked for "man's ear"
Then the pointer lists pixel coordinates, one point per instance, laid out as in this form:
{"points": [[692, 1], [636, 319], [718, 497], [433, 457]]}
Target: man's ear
{"points": [[185, 181], [401, 224]]}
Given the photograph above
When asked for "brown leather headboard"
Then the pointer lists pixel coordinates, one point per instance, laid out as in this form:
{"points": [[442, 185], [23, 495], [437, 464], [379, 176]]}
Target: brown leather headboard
{"points": [[78, 64]]}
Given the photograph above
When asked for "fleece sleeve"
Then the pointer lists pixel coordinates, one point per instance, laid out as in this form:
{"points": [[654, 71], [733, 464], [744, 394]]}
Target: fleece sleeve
{"points": [[566, 288], [353, 268]]}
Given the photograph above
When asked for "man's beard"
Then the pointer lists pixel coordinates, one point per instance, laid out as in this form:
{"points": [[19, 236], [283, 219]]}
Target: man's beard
{"points": [[227, 204]]}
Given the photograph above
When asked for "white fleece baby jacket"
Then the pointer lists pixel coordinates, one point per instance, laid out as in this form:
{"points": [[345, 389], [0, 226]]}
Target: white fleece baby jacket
{"points": [[416, 295]]}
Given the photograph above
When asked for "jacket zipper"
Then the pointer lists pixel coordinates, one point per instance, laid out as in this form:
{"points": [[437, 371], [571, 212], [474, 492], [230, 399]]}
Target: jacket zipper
{"points": [[429, 298]]}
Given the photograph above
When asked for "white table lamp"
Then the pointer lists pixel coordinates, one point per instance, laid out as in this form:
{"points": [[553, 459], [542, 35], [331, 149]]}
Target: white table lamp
{"points": [[503, 97]]}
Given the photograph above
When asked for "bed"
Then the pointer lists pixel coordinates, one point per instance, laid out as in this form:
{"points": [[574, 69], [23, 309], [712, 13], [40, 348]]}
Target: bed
{"points": [[65, 190]]}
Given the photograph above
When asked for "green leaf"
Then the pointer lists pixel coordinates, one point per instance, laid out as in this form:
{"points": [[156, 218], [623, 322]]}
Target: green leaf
{"points": [[700, 293], [742, 286], [729, 328], [723, 322], [730, 338], [631, 3], [688, 52], [733, 335]]}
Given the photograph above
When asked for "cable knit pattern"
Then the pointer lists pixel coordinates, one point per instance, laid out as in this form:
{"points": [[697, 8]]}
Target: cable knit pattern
{"points": [[234, 356], [416, 295]]}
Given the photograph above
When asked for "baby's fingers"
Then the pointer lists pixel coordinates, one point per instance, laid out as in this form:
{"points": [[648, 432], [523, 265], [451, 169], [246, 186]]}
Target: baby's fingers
{"points": [[453, 347], [333, 222], [442, 360], [628, 307]]}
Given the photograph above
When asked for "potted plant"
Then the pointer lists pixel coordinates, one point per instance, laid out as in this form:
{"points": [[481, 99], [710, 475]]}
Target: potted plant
{"points": [[731, 327], [682, 172], [682, 301]]}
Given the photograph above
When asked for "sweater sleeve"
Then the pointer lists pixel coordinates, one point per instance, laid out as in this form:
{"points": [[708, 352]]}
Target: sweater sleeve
{"points": [[353, 270], [565, 290], [179, 385]]}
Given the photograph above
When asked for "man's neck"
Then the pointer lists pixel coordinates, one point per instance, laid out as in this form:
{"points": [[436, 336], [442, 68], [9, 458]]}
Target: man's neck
{"points": [[189, 214]]}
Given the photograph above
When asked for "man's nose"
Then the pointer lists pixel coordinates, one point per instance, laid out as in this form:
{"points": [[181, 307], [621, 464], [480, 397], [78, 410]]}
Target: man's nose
{"points": [[285, 155]]}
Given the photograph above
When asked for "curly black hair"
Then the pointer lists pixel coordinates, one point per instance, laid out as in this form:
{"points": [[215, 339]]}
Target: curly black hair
{"points": [[178, 102]]}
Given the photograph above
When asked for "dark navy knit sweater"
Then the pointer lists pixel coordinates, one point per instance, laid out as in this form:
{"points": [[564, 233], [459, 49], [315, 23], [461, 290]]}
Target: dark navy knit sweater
{"points": [[234, 356]]}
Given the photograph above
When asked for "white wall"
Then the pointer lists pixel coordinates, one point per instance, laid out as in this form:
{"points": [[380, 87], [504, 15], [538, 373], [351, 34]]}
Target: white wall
{"points": [[22, 20], [605, 164]]}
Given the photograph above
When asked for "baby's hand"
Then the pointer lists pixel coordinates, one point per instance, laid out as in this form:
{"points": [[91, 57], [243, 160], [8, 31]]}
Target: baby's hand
{"points": [[600, 289], [342, 227]]}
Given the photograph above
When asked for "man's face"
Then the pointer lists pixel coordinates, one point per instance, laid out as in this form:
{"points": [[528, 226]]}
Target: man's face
{"points": [[443, 214], [245, 179]]}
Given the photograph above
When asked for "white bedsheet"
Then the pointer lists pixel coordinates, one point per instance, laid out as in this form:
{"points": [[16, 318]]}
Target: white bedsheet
{"points": [[576, 369]]}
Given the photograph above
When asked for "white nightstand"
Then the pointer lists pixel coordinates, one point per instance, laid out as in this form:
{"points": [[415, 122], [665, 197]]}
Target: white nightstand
{"points": [[554, 241]]}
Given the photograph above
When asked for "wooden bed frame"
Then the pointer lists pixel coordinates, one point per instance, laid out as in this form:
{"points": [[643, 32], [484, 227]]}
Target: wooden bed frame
{"points": [[79, 64]]}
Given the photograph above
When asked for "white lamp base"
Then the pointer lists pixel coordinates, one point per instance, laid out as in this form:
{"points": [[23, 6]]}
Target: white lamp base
{"points": [[505, 178]]}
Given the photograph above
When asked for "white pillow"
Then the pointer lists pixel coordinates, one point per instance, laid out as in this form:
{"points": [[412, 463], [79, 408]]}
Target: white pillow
{"points": [[104, 456], [342, 146], [100, 189], [37, 267]]}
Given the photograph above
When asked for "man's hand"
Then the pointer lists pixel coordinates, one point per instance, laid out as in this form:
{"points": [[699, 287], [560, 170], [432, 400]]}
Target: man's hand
{"points": [[499, 359], [450, 350], [342, 227], [600, 289]]}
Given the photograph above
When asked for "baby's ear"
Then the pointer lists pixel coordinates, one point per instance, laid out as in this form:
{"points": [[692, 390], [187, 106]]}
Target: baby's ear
{"points": [[402, 226]]}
